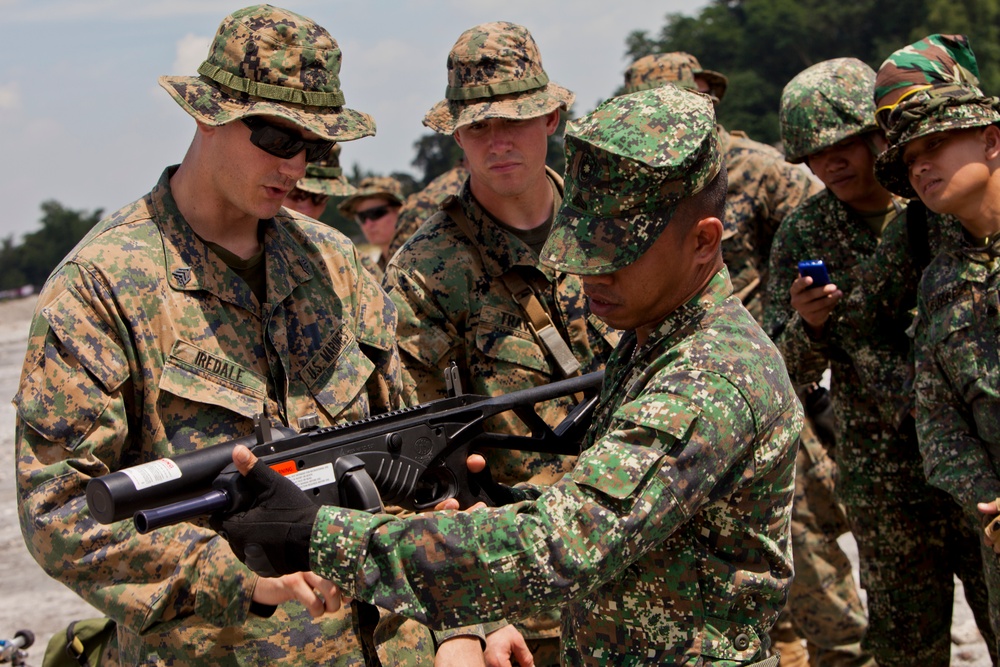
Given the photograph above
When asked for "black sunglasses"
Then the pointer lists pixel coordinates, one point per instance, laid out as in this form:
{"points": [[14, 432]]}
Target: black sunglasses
{"points": [[373, 213], [302, 195], [283, 142]]}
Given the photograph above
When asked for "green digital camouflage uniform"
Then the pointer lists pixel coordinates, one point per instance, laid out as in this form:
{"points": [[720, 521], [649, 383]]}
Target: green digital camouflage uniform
{"points": [[668, 542], [450, 286], [420, 206], [908, 534], [145, 344], [926, 87], [763, 189]]}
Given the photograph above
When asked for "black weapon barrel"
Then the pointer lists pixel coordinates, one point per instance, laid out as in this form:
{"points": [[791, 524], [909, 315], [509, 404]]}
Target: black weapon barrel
{"points": [[119, 495], [209, 503]]}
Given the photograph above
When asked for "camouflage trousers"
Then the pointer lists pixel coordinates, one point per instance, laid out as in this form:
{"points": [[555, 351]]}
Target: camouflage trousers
{"points": [[824, 607], [910, 552]]}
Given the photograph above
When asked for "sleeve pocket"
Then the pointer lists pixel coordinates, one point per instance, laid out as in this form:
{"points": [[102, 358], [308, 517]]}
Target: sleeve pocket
{"points": [[505, 337], [614, 468]]}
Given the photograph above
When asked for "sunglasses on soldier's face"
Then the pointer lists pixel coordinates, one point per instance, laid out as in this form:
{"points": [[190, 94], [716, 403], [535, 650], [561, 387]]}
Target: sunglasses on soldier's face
{"points": [[373, 213], [284, 142]]}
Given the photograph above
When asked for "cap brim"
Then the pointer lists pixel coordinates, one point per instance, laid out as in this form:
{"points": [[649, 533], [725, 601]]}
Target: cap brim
{"points": [[213, 106], [447, 116], [584, 244], [335, 187], [717, 82]]}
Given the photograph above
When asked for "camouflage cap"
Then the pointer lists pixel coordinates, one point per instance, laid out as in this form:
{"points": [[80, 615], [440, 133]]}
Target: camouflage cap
{"points": [[495, 71], [629, 164], [269, 61], [824, 104], [929, 86], [325, 177], [373, 186], [678, 68]]}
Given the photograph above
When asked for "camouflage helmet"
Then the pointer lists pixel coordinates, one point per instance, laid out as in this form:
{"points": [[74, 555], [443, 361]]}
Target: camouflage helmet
{"points": [[325, 177], [269, 61], [495, 71], [679, 68], [825, 104], [629, 164], [929, 86], [373, 186]]}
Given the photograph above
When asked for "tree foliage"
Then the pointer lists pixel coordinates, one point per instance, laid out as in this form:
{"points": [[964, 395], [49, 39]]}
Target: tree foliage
{"points": [[761, 44], [31, 262]]}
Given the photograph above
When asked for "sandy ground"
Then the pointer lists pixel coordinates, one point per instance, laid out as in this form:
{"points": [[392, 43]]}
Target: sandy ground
{"points": [[33, 601]]}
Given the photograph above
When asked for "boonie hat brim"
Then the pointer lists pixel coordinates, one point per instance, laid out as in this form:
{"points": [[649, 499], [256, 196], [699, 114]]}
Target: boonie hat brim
{"points": [[448, 115], [213, 105]]}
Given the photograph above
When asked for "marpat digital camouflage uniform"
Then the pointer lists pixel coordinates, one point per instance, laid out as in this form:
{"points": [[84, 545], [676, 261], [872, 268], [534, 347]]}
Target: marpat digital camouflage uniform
{"points": [[927, 87], [326, 177], [668, 542], [910, 536], [421, 205], [145, 344], [763, 189], [450, 286]]}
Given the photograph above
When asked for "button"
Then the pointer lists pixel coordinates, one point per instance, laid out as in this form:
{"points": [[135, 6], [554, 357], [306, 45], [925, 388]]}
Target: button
{"points": [[742, 642]]}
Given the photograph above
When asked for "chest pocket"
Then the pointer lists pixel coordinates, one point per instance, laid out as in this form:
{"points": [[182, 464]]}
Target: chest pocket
{"points": [[337, 373], [610, 336], [504, 336], [199, 391]]}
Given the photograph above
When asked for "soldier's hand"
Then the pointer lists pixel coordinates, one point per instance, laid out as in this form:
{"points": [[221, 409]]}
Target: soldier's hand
{"points": [[507, 643], [991, 521], [476, 463], [814, 305], [316, 594], [272, 537]]}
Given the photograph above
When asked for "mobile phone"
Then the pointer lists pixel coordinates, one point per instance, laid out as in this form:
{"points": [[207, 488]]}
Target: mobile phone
{"points": [[815, 269]]}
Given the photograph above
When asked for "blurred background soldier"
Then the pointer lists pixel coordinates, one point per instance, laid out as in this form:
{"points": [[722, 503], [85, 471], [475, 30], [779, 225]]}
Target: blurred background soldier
{"points": [[323, 179], [911, 538], [420, 206], [375, 207], [468, 285]]}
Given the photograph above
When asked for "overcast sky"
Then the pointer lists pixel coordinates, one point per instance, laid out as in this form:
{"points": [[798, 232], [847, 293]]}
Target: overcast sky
{"points": [[83, 121]]}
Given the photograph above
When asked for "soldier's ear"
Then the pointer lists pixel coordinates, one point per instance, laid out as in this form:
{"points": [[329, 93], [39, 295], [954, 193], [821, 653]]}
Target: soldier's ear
{"points": [[708, 238], [991, 138]]}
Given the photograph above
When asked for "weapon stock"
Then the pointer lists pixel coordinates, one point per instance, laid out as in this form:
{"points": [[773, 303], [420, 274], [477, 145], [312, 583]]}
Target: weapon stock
{"points": [[413, 457]]}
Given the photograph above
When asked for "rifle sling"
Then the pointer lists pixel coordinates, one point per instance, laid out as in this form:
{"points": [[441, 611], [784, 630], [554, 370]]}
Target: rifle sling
{"points": [[539, 319]]}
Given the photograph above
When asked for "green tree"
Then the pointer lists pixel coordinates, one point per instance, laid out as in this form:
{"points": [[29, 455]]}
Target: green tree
{"points": [[33, 260]]}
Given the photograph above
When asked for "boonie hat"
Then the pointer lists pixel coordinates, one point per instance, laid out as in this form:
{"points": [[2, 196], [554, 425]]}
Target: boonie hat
{"points": [[325, 177], [629, 164], [677, 68], [929, 86], [373, 186], [495, 71], [269, 61]]}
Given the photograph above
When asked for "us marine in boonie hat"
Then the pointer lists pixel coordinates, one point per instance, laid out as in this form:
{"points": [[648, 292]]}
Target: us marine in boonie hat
{"points": [[495, 71], [677, 68], [325, 177], [629, 164], [373, 186], [929, 86], [267, 61]]}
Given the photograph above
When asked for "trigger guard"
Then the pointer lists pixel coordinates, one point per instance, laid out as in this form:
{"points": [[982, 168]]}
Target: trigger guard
{"points": [[444, 483]]}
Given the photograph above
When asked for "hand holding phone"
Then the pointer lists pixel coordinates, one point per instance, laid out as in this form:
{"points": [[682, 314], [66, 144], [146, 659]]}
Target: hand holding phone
{"points": [[815, 269]]}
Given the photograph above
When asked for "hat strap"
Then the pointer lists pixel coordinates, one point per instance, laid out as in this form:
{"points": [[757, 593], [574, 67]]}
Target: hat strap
{"points": [[456, 93], [312, 98]]}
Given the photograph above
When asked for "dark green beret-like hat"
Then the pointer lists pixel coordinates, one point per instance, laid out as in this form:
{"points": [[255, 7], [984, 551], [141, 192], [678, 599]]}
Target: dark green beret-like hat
{"points": [[929, 86], [629, 164], [269, 61]]}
